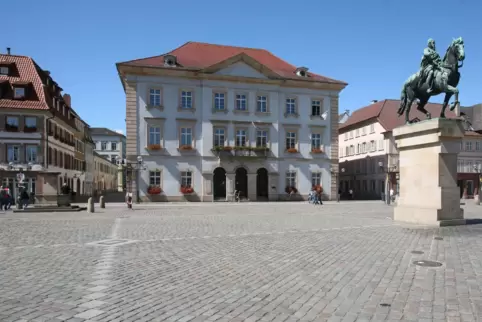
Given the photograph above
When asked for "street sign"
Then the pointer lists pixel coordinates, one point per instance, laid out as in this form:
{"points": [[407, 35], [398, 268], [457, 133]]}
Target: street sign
{"points": [[20, 177]]}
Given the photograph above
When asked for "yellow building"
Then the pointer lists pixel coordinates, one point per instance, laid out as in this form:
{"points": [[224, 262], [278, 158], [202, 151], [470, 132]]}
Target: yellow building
{"points": [[105, 174]]}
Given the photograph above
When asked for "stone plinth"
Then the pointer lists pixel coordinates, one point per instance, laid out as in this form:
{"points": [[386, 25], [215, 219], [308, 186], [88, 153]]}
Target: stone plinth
{"points": [[428, 173]]}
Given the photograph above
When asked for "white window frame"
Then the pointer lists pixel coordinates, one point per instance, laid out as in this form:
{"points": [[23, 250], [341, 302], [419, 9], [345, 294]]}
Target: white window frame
{"points": [[316, 178], [154, 133], [346, 136], [291, 178], [219, 101], [381, 145], [372, 128], [186, 135], [364, 130], [155, 178], [186, 177], [477, 145], [290, 106], [219, 139], [155, 97], [241, 102], [262, 104], [16, 153], [19, 92], [241, 133], [103, 146], [31, 153], [468, 146], [316, 104], [316, 140], [113, 146], [262, 138], [187, 99], [291, 140], [357, 132]]}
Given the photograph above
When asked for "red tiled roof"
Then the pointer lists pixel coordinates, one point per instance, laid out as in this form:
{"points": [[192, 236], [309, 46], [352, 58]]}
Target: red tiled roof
{"points": [[26, 72], [197, 56], [385, 112]]}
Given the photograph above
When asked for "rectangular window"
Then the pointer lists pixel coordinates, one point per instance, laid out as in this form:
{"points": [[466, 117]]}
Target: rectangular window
{"points": [[262, 104], [219, 136], [155, 97], [372, 128], [290, 106], [315, 108], [477, 166], [477, 145], [381, 145], [31, 153], [357, 132], [468, 167], [31, 122], [261, 138], [460, 166], [219, 101], [154, 135], [241, 138], [316, 178], [346, 136], [186, 179], [291, 179], [347, 151], [186, 99], [290, 140], [468, 146], [112, 159], [113, 146], [315, 141], [3, 70], [13, 153], [241, 102], [103, 145], [12, 121], [351, 134], [364, 130], [155, 178], [186, 136], [19, 92]]}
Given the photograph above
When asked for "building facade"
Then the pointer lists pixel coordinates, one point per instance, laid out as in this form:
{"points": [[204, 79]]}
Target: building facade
{"points": [[369, 157], [108, 143], [38, 131], [210, 121], [105, 175]]}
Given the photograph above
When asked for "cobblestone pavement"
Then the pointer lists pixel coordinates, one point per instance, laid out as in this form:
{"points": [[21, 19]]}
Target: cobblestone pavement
{"points": [[237, 262]]}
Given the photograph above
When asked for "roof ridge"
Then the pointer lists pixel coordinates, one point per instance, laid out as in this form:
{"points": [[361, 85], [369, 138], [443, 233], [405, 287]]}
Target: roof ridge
{"points": [[227, 46]]}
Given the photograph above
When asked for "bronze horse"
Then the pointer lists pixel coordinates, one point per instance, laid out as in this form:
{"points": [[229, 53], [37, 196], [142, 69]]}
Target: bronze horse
{"points": [[445, 81]]}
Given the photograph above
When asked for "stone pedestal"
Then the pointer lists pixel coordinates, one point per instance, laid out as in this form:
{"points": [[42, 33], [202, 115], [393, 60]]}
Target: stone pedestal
{"points": [[230, 185], [428, 173]]}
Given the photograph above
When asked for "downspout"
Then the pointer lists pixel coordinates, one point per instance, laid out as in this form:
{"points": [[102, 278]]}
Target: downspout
{"points": [[46, 156]]}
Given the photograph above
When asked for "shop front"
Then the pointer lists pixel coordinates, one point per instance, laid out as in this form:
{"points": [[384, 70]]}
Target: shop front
{"points": [[468, 184]]}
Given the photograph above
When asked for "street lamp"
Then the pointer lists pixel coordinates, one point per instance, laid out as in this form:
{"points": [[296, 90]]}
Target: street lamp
{"points": [[387, 171]]}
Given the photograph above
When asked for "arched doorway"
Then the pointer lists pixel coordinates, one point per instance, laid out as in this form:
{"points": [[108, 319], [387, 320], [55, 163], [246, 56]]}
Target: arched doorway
{"points": [[219, 184], [262, 184], [241, 179], [77, 189]]}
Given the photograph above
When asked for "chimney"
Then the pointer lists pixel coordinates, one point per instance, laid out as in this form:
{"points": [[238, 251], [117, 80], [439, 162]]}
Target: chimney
{"points": [[67, 99], [8, 50], [374, 101]]}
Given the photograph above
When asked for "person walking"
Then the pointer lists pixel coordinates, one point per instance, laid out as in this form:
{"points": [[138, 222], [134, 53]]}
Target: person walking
{"points": [[24, 198]]}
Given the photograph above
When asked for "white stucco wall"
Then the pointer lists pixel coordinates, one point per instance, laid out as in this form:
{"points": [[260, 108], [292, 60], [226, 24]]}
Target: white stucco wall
{"points": [[171, 162]]}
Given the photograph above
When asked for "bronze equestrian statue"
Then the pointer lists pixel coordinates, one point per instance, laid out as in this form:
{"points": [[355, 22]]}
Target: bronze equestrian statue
{"points": [[436, 76]]}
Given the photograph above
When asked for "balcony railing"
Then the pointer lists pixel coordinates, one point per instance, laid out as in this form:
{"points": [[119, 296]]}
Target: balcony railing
{"points": [[241, 151]]}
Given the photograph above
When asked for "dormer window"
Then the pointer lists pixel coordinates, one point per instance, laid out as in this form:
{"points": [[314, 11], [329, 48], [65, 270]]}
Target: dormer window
{"points": [[3, 70], [302, 71], [19, 92], [170, 61]]}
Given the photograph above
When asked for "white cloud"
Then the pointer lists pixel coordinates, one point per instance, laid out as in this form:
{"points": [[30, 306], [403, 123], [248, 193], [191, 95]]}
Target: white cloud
{"points": [[119, 131]]}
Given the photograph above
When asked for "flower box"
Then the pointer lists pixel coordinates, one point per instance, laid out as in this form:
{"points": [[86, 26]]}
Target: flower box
{"points": [[186, 190], [185, 147], [316, 150], [154, 147], [292, 150], [260, 149], [11, 128], [154, 190], [242, 148]]}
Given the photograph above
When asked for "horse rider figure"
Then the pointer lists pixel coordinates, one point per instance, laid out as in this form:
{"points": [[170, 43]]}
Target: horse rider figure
{"points": [[431, 62]]}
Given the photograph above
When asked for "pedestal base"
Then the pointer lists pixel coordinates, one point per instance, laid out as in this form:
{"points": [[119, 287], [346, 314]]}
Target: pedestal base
{"points": [[428, 173], [427, 216]]}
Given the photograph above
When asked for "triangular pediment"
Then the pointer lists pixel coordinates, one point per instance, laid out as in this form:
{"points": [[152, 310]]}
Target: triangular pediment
{"points": [[241, 65]]}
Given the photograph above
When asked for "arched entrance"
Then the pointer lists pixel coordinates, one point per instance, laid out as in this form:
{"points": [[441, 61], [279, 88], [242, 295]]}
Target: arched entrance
{"points": [[219, 184], [77, 189], [262, 184], [241, 179]]}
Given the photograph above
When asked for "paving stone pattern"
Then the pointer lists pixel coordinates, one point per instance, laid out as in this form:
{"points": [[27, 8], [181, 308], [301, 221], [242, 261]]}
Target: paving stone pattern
{"points": [[237, 262]]}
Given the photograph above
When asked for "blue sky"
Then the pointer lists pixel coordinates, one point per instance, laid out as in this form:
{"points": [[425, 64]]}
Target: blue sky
{"points": [[374, 45]]}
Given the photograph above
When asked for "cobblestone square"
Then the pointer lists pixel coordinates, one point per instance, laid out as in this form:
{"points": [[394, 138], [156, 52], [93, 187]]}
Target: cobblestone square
{"points": [[343, 261]]}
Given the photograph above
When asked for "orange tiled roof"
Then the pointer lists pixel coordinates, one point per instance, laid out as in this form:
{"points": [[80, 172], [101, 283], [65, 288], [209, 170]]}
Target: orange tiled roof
{"points": [[197, 56], [25, 72]]}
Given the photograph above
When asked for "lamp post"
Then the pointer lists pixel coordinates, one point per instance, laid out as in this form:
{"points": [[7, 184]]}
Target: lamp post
{"points": [[138, 167], [479, 173], [387, 171]]}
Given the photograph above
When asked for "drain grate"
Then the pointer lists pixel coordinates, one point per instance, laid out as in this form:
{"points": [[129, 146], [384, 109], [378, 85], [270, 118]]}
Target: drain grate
{"points": [[385, 304], [438, 238], [425, 263], [417, 252]]}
